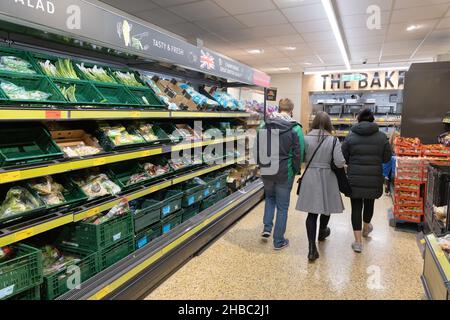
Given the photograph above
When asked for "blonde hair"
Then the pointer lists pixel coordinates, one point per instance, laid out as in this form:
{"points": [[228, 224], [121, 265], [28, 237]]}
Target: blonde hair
{"points": [[286, 105]]}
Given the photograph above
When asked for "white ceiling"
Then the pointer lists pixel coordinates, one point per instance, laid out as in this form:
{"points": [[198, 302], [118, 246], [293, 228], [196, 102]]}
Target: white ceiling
{"points": [[232, 27]]}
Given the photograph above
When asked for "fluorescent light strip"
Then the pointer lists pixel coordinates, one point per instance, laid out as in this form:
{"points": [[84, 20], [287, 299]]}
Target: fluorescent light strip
{"points": [[337, 32], [356, 70]]}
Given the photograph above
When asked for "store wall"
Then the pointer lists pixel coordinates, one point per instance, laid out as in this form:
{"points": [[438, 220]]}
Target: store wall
{"points": [[289, 86], [426, 100]]}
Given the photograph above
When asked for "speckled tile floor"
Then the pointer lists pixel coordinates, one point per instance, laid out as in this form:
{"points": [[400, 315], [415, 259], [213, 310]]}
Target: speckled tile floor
{"points": [[240, 266]]}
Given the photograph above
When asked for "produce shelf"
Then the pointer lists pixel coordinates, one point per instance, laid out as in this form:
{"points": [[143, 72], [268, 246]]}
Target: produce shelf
{"points": [[45, 223], [10, 113], [56, 167]]}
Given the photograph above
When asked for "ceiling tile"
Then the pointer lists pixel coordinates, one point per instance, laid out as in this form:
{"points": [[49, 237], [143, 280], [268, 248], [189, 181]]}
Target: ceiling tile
{"points": [[285, 40], [305, 13], [246, 6], [398, 31], [354, 7], [160, 17], [131, 6], [237, 35], [312, 26], [395, 58], [360, 20], [363, 33], [401, 4], [199, 11], [368, 41], [265, 18], [273, 31], [186, 29], [169, 3], [441, 34], [218, 24], [444, 24], [318, 36], [293, 3], [412, 15]]}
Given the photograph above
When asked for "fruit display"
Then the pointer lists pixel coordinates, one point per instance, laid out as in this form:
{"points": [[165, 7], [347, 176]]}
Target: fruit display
{"points": [[48, 190], [15, 92], [16, 64], [54, 260], [121, 209], [95, 73], [120, 136], [18, 200], [63, 68], [127, 79], [96, 185]]}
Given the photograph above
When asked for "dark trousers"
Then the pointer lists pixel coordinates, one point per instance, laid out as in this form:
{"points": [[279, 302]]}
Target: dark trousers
{"points": [[311, 225], [361, 208]]}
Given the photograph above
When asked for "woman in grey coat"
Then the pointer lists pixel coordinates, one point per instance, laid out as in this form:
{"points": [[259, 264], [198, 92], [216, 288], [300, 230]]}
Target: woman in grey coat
{"points": [[319, 192]]}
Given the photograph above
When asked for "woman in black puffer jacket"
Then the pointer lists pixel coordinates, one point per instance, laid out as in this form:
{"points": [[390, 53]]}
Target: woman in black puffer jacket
{"points": [[365, 150]]}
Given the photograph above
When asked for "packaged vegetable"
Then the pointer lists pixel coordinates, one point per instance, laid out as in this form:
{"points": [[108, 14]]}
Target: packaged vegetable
{"points": [[6, 253], [97, 185], [15, 92], [81, 150], [63, 68], [96, 73], [120, 136], [197, 97], [49, 191], [156, 170], [121, 209], [18, 200], [146, 130], [444, 243], [127, 79], [16, 64], [54, 260]]}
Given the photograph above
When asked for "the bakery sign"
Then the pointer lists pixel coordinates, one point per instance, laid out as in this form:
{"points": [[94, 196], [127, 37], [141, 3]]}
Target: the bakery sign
{"points": [[374, 80]]}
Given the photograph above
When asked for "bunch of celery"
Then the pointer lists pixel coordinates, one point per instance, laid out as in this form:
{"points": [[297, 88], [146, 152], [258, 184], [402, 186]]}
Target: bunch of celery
{"points": [[63, 68], [69, 92], [127, 79], [95, 73]]}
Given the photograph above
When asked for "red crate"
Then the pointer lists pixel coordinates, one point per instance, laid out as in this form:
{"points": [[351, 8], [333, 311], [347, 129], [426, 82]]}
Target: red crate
{"points": [[407, 195], [407, 186], [409, 218]]}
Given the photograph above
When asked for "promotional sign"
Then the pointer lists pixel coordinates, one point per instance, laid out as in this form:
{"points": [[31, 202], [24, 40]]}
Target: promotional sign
{"points": [[271, 94], [88, 20], [374, 80]]}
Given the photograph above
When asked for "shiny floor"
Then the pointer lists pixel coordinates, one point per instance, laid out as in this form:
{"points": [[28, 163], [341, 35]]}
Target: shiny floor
{"points": [[241, 266]]}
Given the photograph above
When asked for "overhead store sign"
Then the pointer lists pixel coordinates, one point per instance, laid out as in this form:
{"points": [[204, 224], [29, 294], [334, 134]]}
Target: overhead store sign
{"points": [[92, 22], [375, 80]]}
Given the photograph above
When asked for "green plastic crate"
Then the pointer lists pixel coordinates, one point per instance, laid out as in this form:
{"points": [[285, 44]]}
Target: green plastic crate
{"points": [[27, 145], [163, 138], [31, 83], [93, 237], [30, 213], [172, 131], [108, 144], [121, 173], [56, 284], [208, 202], [146, 98], [161, 161], [147, 213], [42, 57], [21, 273], [172, 221], [194, 193], [190, 212], [88, 64], [116, 94], [109, 256], [216, 181], [171, 201], [85, 93], [33, 294], [112, 71], [7, 51], [148, 235]]}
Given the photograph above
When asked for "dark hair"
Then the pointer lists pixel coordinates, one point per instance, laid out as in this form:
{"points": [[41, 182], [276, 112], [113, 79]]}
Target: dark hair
{"points": [[366, 115], [322, 122]]}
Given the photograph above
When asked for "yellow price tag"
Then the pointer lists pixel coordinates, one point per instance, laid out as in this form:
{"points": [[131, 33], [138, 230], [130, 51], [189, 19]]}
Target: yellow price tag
{"points": [[136, 114], [146, 153], [24, 234], [92, 212], [10, 176], [99, 162]]}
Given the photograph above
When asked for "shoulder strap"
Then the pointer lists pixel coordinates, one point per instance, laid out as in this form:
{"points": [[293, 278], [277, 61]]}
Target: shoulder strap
{"points": [[332, 151], [314, 154]]}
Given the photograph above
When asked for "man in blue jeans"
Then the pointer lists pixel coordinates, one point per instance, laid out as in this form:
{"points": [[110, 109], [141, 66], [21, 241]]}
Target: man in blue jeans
{"points": [[280, 150]]}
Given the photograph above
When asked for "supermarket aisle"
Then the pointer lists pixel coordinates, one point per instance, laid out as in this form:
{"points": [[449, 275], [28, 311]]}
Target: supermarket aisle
{"points": [[241, 266]]}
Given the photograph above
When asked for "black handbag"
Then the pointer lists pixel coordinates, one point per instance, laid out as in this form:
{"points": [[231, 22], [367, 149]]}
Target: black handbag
{"points": [[299, 181], [341, 175]]}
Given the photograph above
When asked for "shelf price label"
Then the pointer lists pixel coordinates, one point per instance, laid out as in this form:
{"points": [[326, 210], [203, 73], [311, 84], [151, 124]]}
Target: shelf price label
{"points": [[99, 162], [10, 176], [136, 114], [24, 234], [52, 114]]}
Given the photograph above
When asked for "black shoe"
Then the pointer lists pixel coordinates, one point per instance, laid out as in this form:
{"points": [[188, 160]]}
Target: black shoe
{"points": [[265, 235], [324, 233], [313, 254]]}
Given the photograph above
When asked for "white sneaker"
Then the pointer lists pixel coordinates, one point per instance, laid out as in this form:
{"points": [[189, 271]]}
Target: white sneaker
{"points": [[366, 233], [357, 247]]}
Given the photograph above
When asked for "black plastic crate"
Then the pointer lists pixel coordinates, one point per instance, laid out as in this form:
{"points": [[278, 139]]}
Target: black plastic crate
{"points": [[438, 178], [190, 212], [171, 201], [146, 212]]}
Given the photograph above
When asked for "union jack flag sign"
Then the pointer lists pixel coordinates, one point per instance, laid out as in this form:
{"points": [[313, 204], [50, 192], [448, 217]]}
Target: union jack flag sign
{"points": [[207, 61]]}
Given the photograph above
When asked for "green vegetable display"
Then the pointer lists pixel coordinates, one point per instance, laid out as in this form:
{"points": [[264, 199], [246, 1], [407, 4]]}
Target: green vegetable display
{"points": [[96, 73], [69, 92], [54, 260], [18, 200], [120, 136], [14, 92], [97, 185], [127, 79], [63, 68], [121, 209], [15, 64]]}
